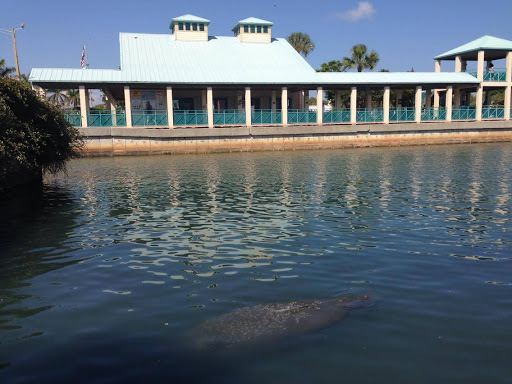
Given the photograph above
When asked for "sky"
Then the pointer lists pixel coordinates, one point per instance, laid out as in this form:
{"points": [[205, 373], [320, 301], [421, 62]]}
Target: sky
{"points": [[406, 34]]}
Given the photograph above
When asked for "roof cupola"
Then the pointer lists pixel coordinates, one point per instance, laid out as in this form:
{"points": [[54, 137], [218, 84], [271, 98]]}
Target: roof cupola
{"points": [[190, 27], [253, 30]]}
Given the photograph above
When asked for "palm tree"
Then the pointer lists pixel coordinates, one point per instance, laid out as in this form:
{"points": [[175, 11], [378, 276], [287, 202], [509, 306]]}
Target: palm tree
{"points": [[5, 71], [360, 59], [73, 98], [301, 42], [57, 97]]}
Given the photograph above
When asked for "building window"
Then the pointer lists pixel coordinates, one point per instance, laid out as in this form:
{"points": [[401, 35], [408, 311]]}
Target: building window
{"points": [[187, 26], [265, 29], [201, 27], [246, 28], [253, 29], [194, 27], [259, 28], [180, 26]]}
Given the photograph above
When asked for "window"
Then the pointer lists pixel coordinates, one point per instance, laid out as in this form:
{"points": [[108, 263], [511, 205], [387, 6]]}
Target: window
{"points": [[201, 27], [246, 28], [265, 29], [187, 26], [194, 27], [253, 29], [180, 26], [259, 29]]}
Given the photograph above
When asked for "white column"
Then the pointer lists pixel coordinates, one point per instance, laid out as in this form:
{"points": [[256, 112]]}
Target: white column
{"points": [[112, 105], [509, 67], [248, 107], [170, 108], [456, 97], [480, 66], [284, 105], [458, 64], [508, 96], [479, 101], [438, 66], [337, 100], [209, 106], [274, 100], [385, 102], [353, 105], [319, 106], [84, 105], [303, 100], [449, 102], [437, 98], [428, 98], [417, 104], [128, 106]]}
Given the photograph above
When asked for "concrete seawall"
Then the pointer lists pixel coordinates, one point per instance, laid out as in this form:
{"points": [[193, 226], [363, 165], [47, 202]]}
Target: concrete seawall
{"points": [[134, 141]]}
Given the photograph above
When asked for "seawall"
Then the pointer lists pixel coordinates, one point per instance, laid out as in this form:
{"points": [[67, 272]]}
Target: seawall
{"points": [[137, 141]]}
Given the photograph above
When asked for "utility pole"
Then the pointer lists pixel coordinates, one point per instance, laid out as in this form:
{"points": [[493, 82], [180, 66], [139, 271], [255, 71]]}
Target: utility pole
{"points": [[13, 34]]}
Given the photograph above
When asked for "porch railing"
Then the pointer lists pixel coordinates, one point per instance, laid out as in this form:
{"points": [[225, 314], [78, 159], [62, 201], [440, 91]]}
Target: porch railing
{"points": [[493, 112], [402, 114], [297, 116], [104, 118], [337, 116], [369, 115], [433, 114], [74, 118], [229, 117], [499, 74], [464, 113], [149, 118], [190, 118], [267, 117]]}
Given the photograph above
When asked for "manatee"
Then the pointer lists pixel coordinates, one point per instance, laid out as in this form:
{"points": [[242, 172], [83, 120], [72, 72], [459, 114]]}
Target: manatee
{"points": [[271, 322]]}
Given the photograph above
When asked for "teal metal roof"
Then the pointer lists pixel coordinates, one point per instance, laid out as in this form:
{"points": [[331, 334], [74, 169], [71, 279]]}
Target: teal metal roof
{"points": [[253, 21], [396, 78], [189, 19], [483, 43], [161, 59]]}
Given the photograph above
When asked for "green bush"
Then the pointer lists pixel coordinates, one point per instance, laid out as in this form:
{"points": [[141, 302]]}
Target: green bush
{"points": [[34, 135]]}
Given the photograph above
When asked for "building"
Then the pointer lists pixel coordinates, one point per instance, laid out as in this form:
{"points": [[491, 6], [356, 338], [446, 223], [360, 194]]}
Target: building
{"points": [[188, 78]]}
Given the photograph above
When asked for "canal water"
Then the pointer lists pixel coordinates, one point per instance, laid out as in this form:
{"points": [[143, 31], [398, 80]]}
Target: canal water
{"points": [[109, 276]]}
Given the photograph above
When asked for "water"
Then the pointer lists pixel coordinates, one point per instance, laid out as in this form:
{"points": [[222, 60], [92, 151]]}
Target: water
{"points": [[108, 276]]}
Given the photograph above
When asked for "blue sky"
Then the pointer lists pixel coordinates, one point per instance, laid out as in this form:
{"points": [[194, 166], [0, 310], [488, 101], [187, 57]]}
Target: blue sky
{"points": [[406, 34]]}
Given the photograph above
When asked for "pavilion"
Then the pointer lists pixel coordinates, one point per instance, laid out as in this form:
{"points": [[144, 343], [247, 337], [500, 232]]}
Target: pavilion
{"points": [[189, 78]]}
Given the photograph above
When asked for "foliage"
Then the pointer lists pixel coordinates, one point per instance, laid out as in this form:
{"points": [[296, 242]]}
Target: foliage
{"points": [[73, 98], [5, 71], [34, 135], [331, 66], [360, 59], [301, 42]]}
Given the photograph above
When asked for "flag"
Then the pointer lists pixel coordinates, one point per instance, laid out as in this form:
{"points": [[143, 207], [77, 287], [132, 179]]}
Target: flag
{"points": [[82, 59]]}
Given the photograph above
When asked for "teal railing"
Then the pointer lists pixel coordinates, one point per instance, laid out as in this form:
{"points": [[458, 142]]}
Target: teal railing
{"points": [[149, 118], [337, 116], [297, 116], [74, 118], [229, 117], [402, 114], [496, 75], [267, 116], [104, 118], [190, 118], [493, 112], [464, 113], [433, 114], [369, 115]]}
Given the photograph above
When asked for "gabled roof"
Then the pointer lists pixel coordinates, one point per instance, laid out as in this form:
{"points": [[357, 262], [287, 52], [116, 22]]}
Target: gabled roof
{"points": [[189, 19], [253, 21], [486, 42]]}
